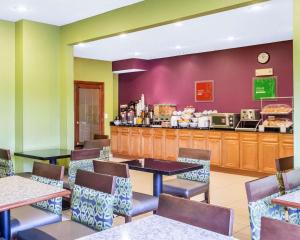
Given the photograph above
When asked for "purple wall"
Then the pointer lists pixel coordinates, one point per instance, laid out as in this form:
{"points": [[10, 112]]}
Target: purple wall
{"points": [[171, 80]]}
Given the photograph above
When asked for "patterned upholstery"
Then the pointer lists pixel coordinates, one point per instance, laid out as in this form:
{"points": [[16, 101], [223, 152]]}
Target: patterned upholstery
{"points": [[123, 196], [92, 208], [6, 168], [294, 213], [201, 175], [86, 165], [53, 205], [263, 208], [105, 153]]}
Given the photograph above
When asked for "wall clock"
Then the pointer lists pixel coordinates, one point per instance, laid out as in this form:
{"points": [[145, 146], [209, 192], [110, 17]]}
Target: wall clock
{"points": [[263, 57]]}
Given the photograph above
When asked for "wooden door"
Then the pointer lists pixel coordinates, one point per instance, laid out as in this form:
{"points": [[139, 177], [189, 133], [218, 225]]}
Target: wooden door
{"points": [[158, 143], [171, 145], [135, 142], [147, 143], [231, 150], [88, 110], [268, 152], [214, 144], [123, 141], [249, 151], [184, 139], [286, 145]]}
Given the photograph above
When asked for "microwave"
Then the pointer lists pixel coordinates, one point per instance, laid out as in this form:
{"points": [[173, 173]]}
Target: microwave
{"points": [[224, 120]]}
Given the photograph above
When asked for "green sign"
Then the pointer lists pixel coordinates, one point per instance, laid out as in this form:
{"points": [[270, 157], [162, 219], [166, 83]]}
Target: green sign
{"points": [[264, 88]]}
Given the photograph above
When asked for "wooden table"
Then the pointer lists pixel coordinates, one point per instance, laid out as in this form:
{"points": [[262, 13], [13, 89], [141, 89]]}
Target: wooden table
{"points": [[50, 155], [159, 168], [288, 200], [156, 228], [16, 192]]}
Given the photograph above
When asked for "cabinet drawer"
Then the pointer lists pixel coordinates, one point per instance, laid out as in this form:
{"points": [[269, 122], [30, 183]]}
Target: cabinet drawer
{"points": [[215, 135], [123, 130], [135, 131], [199, 134], [269, 137], [287, 138], [158, 132], [231, 136], [249, 137], [146, 132], [171, 132], [184, 133]]}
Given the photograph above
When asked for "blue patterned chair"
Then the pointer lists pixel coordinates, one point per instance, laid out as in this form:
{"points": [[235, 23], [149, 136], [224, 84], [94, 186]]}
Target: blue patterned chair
{"points": [[192, 183], [291, 182], [6, 164], [44, 212], [102, 144], [127, 203], [91, 208], [260, 194]]}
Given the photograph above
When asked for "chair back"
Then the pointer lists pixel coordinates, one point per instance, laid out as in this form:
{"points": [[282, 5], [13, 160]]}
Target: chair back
{"points": [[100, 136], [93, 192], [196, 156], [97, 143], [52, 175], [6, 164], [81, 159], [207, 216], [260, 194], [274, 229], [123, 195], [291, 180], [284, 164]]}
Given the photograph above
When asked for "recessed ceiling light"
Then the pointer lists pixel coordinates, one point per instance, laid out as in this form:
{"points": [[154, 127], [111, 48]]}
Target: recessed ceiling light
{"points": [[178, 47], [137, 53], [178, 24], [123, 35], [81, 45], [20, 8], [231, 38], [256, 7]]}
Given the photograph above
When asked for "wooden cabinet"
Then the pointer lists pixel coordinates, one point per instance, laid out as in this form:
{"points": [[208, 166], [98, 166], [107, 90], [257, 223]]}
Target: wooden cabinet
{"points": [[123, 141], [214, 144], [114, 139], [199, 140], [158, 143], [171, 145], [231, 150], [286, 145], [135, 142], [147, 143], [184, 138], [268, 152], [249, 151]]}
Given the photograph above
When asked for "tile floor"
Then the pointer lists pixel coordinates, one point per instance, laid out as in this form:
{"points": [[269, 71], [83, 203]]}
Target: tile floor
{"points": [[227, 190]]}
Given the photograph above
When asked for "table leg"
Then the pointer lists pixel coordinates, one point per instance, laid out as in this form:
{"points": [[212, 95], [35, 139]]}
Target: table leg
{"points": [[5, 225], [53, 161], [157, 184]]}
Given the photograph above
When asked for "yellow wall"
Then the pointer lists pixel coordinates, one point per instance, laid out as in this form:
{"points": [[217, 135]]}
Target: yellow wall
{"points": [[98, 71]]}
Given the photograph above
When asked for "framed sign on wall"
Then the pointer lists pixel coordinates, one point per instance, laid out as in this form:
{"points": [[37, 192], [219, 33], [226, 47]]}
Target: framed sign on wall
{"points": [[204, 91], [264, 87]]}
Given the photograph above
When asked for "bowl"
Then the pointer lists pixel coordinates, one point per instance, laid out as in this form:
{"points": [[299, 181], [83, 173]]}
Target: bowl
{"points": [[193, 124], [117, 122], [184, 124]]}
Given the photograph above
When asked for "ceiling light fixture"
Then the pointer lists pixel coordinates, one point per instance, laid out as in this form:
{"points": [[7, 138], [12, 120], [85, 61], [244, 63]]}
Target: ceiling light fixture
{"points": [[256, 7], [123, 35], [178, 24], [231, 38], [178, 47], [81, 45], [20, 9], [137, 53]]}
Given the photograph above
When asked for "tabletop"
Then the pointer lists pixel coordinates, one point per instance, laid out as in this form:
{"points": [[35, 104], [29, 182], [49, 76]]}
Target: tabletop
{"points": [[45, 153], [288, 200], [156, 228], [18, 191], [163, 167]]}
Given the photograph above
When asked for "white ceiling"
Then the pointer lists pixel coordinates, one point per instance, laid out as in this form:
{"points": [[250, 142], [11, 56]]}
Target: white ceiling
{"points": [[57, 12], [261, 23]]}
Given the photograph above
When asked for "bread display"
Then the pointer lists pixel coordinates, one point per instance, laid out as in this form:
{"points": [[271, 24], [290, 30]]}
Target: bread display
{"points": [[277, 122], [277, 109]]}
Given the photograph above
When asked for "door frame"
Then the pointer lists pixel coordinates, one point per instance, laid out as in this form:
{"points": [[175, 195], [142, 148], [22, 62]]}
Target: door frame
{"points": [[89, 85]]}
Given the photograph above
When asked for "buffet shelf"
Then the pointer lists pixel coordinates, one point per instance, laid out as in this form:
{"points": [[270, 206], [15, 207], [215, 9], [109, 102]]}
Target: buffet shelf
{"points": [[249, 153]]}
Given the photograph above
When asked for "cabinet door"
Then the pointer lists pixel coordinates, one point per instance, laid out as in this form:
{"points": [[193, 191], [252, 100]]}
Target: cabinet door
{"points": [[158, 144], [214, 144], [171, 145], [249, 151], [268, 152], [286, 145], [147, 143], [114, 140], [123, 141], [231, 150], [199, 139], [135, 142], [184, 139]]}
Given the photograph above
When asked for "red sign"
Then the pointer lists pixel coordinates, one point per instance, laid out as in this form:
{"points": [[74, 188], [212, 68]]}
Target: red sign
{"points": [[204, 91]]}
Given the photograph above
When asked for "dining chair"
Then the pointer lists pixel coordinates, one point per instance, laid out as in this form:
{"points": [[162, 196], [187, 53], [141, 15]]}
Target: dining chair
{"points": [[6, 164], [44, 212], [291, 180], [91, 211], [102, 144], [192, 183], [283, 165], [100, 136], [127, 203], [260, 193], [80, 159], [203, 215], [272, 229]]}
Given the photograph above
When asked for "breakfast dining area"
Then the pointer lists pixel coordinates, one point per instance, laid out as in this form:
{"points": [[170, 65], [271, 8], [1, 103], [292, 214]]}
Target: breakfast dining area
{"points": [[149, 120]]}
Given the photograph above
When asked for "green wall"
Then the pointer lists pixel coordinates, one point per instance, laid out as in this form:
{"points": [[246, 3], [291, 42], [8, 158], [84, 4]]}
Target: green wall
{"points": [[7, 84], [98, 71], [296, 49]]}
